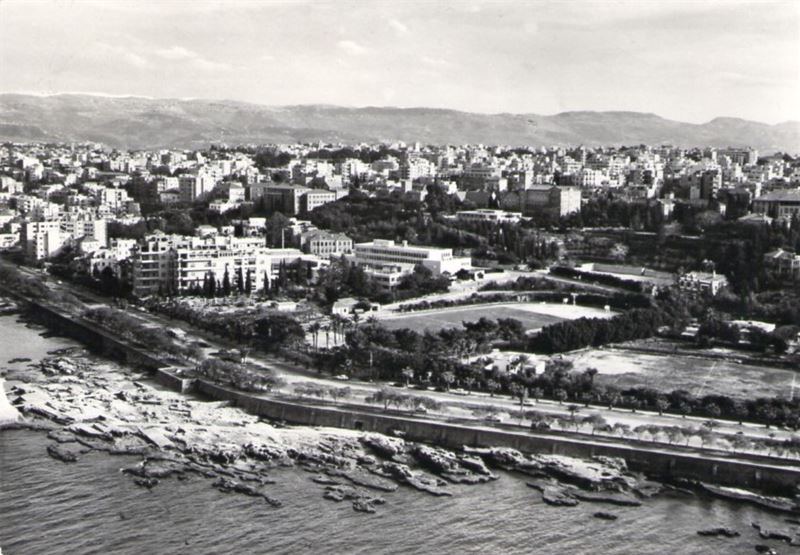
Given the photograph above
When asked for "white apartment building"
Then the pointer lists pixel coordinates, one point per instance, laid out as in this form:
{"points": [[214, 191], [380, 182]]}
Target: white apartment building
{"points": [[164, 263], [193, 187], [41, 240], [114, 198], [44, 239]]}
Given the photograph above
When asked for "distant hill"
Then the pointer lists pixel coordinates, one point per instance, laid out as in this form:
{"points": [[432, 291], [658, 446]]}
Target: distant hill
{"points": [[132, 122]]}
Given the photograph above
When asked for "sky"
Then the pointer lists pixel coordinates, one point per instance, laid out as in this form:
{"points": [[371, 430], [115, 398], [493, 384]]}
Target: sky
{"points": [[685, 60]]}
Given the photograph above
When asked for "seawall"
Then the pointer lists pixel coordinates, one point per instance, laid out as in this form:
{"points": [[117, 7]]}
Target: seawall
{"points": [[659, 463]]}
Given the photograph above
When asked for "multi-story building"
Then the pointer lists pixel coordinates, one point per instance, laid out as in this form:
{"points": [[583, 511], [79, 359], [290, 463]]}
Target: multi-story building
{"points": [[381, 253], [291, 200], [552, 201], [44, 239], [41, 240], [195, 187], [741, 156], [702, 283], [781, 205], [153, 265], [163, 263], [323, 243], [79, 225], [784, 263], [315, 198]]}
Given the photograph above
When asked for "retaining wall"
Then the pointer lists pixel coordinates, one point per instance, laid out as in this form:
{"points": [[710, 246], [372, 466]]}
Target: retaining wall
{"points": [[654, 462]]}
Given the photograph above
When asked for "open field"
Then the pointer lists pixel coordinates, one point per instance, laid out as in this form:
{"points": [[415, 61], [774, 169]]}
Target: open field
{"points": [[698, 375], [532, 315]]}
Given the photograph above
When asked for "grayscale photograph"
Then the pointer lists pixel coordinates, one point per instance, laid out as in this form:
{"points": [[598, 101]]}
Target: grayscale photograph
{"points": [[507, 277]]}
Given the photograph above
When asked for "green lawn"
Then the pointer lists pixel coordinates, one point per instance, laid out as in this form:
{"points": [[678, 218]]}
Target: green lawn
{"points": [[450, 318]]}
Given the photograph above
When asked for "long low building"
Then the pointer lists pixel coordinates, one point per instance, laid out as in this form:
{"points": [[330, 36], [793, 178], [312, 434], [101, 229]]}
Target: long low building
{"points": [[488, 215], [382, 252]]}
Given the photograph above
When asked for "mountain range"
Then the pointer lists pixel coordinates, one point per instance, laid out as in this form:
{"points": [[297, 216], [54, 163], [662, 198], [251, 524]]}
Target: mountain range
{"points": [[136, 122]]}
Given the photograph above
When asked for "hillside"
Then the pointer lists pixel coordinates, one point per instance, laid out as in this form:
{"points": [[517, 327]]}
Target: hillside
{"points": [[132, 122]]}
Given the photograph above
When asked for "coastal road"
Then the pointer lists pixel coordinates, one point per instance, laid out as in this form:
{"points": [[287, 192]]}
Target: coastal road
{"points": [[461, 405]]}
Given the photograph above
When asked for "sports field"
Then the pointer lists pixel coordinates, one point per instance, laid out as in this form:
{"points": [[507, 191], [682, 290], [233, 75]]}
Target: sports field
{"points": [[532, 315]]}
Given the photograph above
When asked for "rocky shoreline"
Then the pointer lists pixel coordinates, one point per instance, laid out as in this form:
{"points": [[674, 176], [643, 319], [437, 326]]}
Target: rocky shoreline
{"points": [[90, 405]]}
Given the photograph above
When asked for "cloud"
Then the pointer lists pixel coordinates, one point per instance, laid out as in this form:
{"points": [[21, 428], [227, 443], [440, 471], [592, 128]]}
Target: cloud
{"points": [[176, 53], [195, 60], [400, 27], [352, 47], [435, 62], [122, 53]]}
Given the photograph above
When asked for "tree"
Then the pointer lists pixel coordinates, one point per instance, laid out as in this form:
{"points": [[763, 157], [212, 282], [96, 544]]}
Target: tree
{"points": [[539, 421], [597, 422], [674, 434], [560, 395], [448, 378], [226, 283], [520, 392], [613, 398], [739, 410], [661, 405], [407, 373], [469, 382], [492, 386], [337, 393], [573, 410]]}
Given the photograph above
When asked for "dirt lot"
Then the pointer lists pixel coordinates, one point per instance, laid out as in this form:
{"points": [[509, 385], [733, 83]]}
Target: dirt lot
{"points": [[698, 375]]}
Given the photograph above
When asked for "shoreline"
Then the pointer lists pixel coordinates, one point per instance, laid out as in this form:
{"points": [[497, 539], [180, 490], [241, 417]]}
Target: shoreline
{"points": [[115, 410], [660, 463]]}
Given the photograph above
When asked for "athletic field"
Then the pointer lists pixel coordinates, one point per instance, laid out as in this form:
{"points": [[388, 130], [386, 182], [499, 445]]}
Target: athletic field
{"points": [[532, 315]]}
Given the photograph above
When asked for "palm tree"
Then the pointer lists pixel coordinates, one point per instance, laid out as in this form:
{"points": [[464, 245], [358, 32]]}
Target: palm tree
{"points": [[314, 328]]}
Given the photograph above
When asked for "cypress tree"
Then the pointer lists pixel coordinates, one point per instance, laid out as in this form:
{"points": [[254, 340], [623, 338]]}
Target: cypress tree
{"points": [[226, 283]]}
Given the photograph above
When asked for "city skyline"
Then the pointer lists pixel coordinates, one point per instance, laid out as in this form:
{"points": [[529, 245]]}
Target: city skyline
{"points": [[732, 59]]}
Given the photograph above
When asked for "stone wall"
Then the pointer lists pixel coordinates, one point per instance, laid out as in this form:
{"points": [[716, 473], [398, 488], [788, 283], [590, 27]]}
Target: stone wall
{"points": [[660, 463]]}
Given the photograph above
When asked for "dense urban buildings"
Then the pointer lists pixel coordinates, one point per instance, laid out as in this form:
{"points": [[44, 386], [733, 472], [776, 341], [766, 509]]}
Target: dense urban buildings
{"points": [[57, 199]]}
